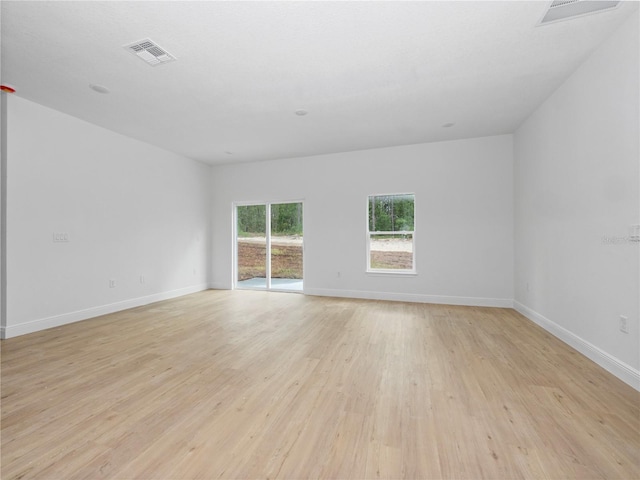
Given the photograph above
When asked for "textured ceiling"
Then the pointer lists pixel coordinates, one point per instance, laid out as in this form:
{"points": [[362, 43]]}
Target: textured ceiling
{"points": [[370, 74]]}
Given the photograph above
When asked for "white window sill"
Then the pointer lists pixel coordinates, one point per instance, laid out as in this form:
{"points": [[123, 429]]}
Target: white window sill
{"points": [[392, 273]]}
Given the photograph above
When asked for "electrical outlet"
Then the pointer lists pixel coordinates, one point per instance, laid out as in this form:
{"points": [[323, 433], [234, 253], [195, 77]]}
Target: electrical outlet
{"points": [[112, 283], [141, 278], [61, 237], [624, 325], [339, 274]]}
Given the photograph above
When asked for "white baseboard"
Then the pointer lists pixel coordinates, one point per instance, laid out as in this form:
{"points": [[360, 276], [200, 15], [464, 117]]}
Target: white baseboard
{"points": [[412, 297], [55, 321], [624, 372]]}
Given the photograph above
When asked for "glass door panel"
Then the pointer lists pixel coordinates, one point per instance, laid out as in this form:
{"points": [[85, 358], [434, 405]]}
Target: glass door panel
{"points": [[251, 246], [286, 246]]}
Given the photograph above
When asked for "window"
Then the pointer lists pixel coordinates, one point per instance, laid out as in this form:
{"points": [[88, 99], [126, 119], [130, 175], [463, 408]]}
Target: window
{"points": [[391, 234]]}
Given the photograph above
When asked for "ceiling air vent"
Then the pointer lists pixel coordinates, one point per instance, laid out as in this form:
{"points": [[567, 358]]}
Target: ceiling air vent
{"points": [[566, 9], [150, 52]]}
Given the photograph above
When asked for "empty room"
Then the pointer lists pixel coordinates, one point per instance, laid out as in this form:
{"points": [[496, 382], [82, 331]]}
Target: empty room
{"points": [[337, 240]]}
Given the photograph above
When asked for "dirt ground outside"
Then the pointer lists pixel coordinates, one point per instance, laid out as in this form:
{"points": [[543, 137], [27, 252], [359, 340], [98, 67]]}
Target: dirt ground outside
{"points": [[286, 256], [391, 253], [391, 260]]}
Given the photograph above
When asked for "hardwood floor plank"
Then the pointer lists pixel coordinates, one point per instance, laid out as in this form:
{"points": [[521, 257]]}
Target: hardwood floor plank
{"points": [[242, 384]]}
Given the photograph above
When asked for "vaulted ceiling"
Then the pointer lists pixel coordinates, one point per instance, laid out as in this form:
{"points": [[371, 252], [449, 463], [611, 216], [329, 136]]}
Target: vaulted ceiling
{"points": [[367, 74]]}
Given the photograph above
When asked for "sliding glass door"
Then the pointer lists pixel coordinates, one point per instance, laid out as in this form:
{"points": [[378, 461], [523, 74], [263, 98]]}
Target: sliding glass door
{"points": [[269, 246], [251, 246], [286, 246]]}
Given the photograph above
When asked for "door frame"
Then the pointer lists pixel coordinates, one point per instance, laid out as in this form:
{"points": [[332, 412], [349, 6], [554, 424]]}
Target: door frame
{"points": [[234, 238]]}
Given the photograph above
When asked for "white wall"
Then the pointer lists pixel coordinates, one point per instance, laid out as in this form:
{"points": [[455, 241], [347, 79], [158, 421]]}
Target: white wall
{"points": [[464, 218], [129, 208], [3, 208], [576, 193]]}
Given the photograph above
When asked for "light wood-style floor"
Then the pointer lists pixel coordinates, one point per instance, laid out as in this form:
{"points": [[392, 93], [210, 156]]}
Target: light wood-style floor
{"points": [[242, 384]]}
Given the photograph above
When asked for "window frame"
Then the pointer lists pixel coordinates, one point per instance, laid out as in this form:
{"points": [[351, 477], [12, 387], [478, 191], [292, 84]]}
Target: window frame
{"points": [[391, 271]]}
